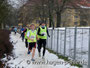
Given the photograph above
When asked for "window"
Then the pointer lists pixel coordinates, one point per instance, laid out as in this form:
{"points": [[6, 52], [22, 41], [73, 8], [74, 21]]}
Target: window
{"points": [[76, 16]]}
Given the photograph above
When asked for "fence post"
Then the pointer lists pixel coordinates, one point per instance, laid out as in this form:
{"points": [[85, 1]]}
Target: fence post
{"points": [[65, 42], [51, 37], [47, 42], [75, 39], [57, 39], [89, 51], [60, 41]]}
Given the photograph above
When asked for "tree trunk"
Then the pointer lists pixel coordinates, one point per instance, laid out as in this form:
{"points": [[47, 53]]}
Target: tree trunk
{"points": [[58, 19], [2, 25], [50, 8], [50, 20]]}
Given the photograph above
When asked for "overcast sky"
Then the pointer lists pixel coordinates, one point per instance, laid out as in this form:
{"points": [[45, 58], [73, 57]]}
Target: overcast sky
{"points": [[17, 3]]}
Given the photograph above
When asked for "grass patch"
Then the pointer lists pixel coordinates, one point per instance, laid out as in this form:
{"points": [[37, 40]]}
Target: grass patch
{"points": [[64, 58], [78, 65]]}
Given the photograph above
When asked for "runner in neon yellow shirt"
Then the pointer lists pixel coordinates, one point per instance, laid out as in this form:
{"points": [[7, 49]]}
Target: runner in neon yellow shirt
{"points": [[32, 38], [43, 34], [25, 36]]}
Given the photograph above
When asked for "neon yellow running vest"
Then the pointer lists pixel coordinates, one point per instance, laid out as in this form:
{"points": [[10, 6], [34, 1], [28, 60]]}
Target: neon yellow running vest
{"points": [[43, 31], [26, 33], [32, 36]]}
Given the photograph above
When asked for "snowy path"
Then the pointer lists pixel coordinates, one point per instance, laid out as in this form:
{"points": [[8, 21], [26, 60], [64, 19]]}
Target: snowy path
{"points": [[21, 57]]}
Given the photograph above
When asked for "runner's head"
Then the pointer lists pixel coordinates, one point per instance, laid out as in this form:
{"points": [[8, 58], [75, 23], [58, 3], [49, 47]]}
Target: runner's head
{"points": [[32, 26], [43, 24]]}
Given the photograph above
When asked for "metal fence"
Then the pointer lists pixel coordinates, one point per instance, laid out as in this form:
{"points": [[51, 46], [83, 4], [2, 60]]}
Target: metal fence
{"points": [[72, 42]]}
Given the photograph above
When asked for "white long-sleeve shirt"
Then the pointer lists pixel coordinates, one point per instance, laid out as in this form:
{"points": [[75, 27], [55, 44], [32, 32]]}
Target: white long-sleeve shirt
{"points": [[28, 33]]}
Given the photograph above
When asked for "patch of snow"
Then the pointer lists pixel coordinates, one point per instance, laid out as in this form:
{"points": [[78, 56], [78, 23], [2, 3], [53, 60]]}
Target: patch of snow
{"points": [[83, 6], [22, 60]]}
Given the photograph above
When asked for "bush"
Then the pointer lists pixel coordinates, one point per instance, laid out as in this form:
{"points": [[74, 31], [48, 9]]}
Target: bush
{"points": [[5, 45]]}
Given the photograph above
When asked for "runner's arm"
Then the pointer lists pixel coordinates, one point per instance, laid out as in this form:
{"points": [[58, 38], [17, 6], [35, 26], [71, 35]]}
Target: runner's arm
{"points": [[37, 37]]}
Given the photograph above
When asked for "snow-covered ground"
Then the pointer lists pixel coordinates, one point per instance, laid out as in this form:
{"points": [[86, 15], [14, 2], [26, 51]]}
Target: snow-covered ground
{"points": [[22, 60]]}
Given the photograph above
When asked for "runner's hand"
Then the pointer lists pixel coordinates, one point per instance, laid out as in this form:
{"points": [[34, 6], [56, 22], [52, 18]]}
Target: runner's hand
{"points": [[38, 38], [42, 34], [32, 39], [48, 35]]}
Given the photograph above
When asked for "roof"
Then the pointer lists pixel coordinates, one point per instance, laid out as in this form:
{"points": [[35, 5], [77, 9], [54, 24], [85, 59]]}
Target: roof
{"points": [[85, 3]]}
